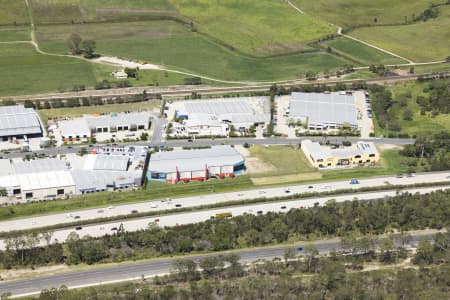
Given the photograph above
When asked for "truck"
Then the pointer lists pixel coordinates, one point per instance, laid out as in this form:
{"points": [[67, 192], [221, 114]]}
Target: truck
{"points": [[354, 181], [224, 215]]}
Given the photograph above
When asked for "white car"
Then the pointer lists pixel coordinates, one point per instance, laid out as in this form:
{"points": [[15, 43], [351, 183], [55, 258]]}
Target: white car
{"points": [[153, 205]]}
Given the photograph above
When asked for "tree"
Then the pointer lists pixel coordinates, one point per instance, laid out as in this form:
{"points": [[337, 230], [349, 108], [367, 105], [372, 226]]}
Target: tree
{"points": [[88, 48], [407, 115], [211, 264], [185, 269], [289, 253], [73, 42], [28, 104]]}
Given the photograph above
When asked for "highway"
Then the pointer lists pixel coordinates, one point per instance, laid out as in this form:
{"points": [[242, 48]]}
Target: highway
{"points": [[214, 198], [181, 218], [157, 142], [135, 270]]}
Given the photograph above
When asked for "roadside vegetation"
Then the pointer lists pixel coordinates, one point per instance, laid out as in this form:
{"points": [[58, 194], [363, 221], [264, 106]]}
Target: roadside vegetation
{"points": [[403, 212], [411, 109]]}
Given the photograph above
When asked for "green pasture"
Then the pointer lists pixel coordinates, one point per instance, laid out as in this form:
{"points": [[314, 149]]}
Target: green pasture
{"points": [[420, 42], [13, 12], [361, 53], [11, 34], [256, 27], [172, 44], [24, 71], [354, 13]]}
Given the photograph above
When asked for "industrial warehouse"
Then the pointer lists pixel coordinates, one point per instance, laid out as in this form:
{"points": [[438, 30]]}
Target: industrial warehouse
{"points": [[61, 178], [18, 122], [361, 153], [218, 117], [323, 111], [103, 127], [199, 164]]}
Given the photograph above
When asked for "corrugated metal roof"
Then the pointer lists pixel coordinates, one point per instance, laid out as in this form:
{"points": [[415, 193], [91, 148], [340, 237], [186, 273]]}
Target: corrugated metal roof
{"points": [[111, 162], [99, 180], [39, 165], [225, 109], [45, 180], [120, 119], [6, 167], [18, 120], [194, 160], [73, 128], [323, 108]]}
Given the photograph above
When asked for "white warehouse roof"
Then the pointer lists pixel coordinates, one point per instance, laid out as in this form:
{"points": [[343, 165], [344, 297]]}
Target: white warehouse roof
{"points": [[236, 110], [194, 160], [323, 108], [44, 180], [73, 128], [18, 120], [111, 162], [119, 119], [39, 165]]}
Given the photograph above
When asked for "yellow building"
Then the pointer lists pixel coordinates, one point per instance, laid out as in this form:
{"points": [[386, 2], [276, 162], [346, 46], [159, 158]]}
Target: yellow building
{"points": [[361, 153]]}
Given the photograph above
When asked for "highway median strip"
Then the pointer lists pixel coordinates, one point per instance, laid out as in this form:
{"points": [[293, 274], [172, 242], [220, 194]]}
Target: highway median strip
{"points": [[99, 221]]}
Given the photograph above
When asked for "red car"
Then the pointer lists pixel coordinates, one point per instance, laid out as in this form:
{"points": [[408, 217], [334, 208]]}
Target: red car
{"points": [[156, 220]]}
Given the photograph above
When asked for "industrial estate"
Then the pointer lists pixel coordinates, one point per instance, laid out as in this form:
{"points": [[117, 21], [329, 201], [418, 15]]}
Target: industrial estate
{"points": [[206, 149]]}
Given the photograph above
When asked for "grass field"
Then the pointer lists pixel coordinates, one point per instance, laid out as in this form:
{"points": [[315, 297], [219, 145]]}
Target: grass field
{"points": [[419, 124], [423, 41], [77, 11], [13, 12], [10, 34], [257, 27], [351, 13], [24, 71], [361, 53], [171, 44]]}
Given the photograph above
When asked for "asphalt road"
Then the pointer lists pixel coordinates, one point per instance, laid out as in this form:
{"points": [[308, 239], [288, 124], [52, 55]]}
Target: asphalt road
{"points": [[214, 198], [175, 219], [135, 270], [211, 142]]}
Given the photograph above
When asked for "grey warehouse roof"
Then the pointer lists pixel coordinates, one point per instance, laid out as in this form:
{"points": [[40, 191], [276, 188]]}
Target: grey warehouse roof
{"points": [[194, 160], [111, 162], [101, 180], [39, 166], [17, 120], [323, 108]]}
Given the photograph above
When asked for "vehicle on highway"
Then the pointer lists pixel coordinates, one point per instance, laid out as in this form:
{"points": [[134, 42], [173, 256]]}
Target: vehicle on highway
{"points": [[287, 190], [156, 220], [134, 211], [262, 192], [190, 140], [177, 205], [100, 211], [114, 228], [283, 207], [259, 212], [224, 215], [316, 203], [354, 181], [78, 228], [310, 187], [110, 207], [399, 176], [102, 228], [76, 217], [410, 175], [153, 205], [299, 248]]}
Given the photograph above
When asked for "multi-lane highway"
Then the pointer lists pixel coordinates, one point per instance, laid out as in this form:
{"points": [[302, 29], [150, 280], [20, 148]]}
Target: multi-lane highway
{"points": [[214, 198], [203, 215], [135, 270]]}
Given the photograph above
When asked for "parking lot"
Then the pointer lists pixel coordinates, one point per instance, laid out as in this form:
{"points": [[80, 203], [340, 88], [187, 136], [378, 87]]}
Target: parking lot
{"points": [[364, 113]]}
